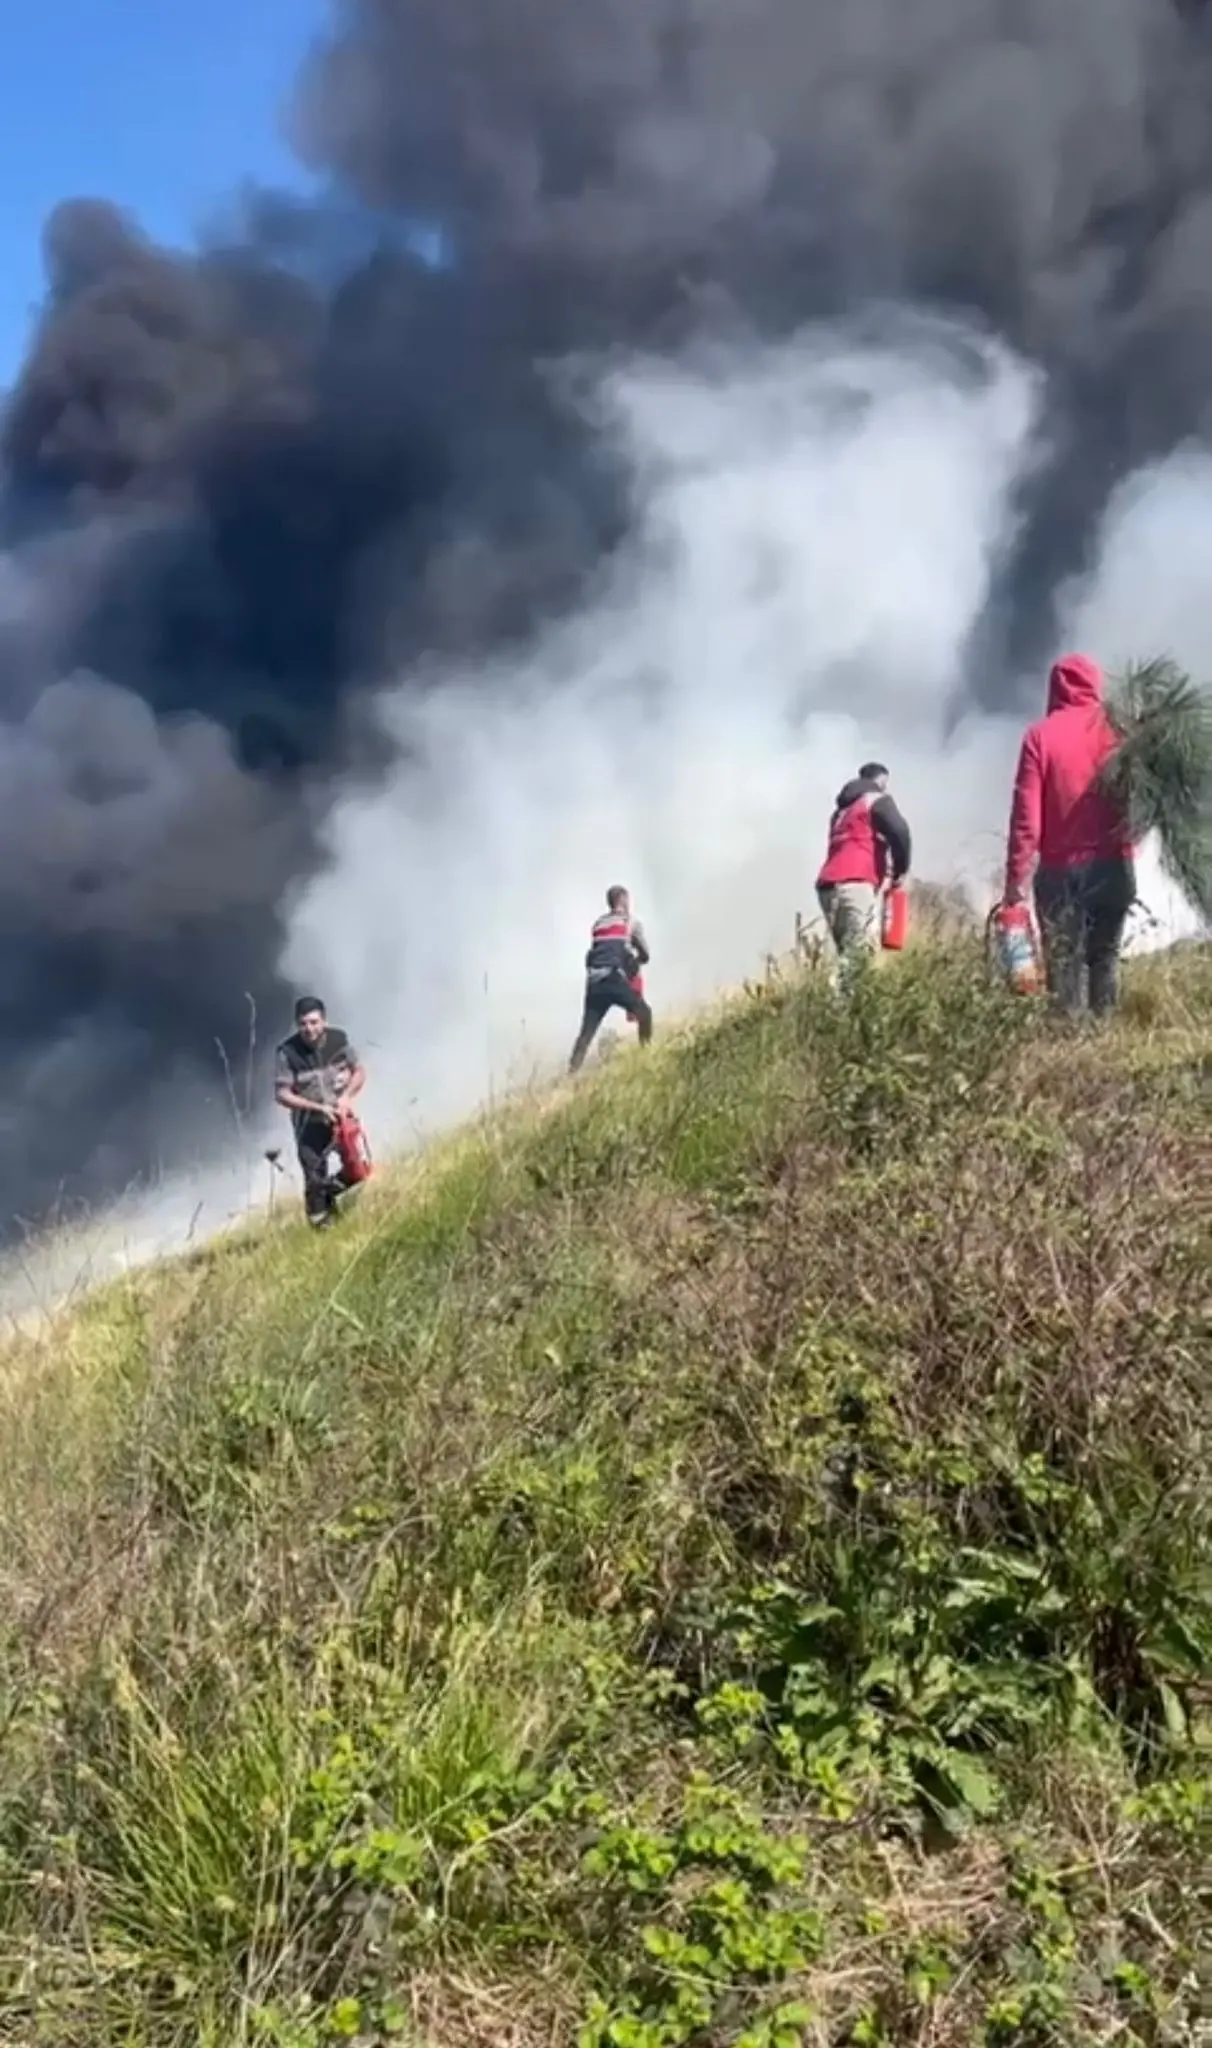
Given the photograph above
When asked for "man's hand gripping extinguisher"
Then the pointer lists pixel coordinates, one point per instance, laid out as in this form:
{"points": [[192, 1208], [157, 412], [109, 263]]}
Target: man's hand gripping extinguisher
{"points": [[894, 918], [635, 981], [352, 1147], [1014, 949]]}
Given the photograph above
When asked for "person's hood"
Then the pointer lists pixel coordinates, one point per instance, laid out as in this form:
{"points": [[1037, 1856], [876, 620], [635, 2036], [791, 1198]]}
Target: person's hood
{"points": [[851, 791], [1073, 680]]}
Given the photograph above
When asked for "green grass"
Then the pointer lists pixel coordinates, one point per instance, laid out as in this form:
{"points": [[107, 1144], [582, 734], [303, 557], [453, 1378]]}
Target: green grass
{"points": [[719, 1556]]}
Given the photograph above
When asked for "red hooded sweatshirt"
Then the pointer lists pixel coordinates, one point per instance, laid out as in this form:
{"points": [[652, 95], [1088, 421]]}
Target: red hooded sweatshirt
{"points": [[1059, 814]]}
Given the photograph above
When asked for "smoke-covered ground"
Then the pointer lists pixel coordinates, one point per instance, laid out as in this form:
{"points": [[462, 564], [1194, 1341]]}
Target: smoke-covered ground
{"points": [[662, 407]]}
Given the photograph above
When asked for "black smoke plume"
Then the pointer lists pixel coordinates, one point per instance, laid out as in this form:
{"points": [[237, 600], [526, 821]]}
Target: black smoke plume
{"points": [[240, 487]]}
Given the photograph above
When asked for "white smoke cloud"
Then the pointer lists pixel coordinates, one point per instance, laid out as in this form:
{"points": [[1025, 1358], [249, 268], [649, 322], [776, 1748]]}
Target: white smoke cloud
{"points": [[815, 529], [816, 526], [1150, 594]]}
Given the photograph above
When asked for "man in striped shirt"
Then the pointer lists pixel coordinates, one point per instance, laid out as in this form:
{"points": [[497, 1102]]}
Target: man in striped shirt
{"points": [[617, 951]]}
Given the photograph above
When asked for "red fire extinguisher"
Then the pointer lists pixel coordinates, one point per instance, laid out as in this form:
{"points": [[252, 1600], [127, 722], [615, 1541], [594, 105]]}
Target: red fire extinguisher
{"points": [[1015, 948], [352, 1147], [635, 981], [894, 919]]}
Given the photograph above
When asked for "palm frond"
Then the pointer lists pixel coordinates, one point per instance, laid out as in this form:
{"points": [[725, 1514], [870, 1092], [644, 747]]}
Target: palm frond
{"points": [[1161, 774]]}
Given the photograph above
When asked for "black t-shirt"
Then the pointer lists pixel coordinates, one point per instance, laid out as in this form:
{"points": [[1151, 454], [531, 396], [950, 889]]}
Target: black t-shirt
{"points": [[317, 1071]]}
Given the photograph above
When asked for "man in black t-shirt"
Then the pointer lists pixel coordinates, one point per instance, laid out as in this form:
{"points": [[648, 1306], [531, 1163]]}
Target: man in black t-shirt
{"points": [[316, 1072]]}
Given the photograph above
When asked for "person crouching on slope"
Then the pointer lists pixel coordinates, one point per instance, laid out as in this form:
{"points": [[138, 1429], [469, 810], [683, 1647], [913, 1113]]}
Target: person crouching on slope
{"points": [[317, 1072], [1085, 881], [617, 951], [869, 845]]}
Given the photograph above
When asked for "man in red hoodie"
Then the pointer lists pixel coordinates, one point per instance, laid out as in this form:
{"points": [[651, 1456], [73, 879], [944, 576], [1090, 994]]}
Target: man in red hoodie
{"points": [[1085, 881]]}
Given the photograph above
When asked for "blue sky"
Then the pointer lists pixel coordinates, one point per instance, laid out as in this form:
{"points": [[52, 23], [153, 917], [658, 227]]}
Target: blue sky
{"points": [[163, 106]]}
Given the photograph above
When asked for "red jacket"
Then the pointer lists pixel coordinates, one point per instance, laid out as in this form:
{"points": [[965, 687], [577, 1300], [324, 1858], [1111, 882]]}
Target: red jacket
{"points": [[868, 838], [1059, 815]]}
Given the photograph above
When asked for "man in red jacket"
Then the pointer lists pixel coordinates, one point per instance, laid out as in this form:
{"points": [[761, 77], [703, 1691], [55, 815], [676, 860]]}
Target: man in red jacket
{"points": [[1085, 881], [869, 845]]}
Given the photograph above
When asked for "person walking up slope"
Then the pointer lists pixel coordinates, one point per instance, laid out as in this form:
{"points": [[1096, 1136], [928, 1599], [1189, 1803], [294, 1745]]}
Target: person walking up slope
{"points": [[1085, 881], [617, 951], [869, 845], [317, 1073]]}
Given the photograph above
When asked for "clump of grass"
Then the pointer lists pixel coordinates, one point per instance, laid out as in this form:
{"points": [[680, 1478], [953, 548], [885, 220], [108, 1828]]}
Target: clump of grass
{"points": [[1161, 774], [723, 1561]]}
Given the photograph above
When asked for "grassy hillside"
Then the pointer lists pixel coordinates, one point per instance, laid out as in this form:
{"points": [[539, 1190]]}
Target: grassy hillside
{"points": [[722, 1557]]}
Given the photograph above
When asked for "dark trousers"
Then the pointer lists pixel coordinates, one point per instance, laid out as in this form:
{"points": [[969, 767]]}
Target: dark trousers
{"points": [[1082, 913], [320, 1188], [613, 990]]}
